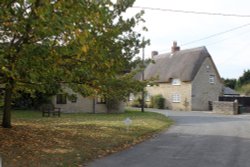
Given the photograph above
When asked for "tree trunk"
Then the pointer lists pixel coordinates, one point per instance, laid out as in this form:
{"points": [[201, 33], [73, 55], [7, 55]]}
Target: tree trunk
{"points": [[7, 105]]}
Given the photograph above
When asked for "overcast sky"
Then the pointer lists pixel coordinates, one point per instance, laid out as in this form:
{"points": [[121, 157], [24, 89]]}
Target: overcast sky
{"points": [[229, 51]]}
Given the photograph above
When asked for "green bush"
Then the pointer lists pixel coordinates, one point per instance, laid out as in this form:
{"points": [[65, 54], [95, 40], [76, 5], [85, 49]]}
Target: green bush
{"points": [[245, 89], [158, 102], [138, 103]]}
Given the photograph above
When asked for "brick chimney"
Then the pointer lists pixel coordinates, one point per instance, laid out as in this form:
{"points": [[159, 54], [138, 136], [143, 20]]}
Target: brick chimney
{"points": [[175, 48], [153, 54]]}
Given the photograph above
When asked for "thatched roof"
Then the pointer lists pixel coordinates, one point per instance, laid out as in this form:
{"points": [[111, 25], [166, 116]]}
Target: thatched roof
{"points": [[183, 64]]}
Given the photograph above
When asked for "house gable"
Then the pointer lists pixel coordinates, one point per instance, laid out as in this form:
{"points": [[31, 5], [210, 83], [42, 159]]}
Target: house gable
{"points": [[206, 86]]}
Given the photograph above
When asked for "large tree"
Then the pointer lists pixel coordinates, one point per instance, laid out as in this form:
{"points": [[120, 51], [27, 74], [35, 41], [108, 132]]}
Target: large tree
{"points": [[84, 44], [231, 83], [244, 79]]}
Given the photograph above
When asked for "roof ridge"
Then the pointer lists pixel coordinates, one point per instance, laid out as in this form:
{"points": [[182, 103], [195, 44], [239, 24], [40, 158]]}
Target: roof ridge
{"points": [[189, 49], [162, 55]]}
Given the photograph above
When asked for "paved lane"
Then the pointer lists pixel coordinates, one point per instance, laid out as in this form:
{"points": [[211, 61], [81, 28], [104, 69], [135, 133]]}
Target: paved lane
{"points": [[198, 139]]}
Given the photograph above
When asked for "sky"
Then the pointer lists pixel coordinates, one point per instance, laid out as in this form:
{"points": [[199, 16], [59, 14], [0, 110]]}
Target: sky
{"points": [[230, 51]]}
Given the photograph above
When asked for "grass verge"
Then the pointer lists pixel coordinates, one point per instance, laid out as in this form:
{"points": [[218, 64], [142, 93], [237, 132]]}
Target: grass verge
{"points": [[73, 139]]}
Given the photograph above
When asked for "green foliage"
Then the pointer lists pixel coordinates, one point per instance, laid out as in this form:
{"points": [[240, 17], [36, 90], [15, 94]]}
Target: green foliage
{"points": [[158, 101], [245, 89], [85, 45], [231, 83], [113, 105], [136, 102], [24, 100], [244, 79], [243, 82]]}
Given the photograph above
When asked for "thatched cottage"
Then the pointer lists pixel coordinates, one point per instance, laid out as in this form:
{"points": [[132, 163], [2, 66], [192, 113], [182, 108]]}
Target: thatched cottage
{"points": [[187, 79]]}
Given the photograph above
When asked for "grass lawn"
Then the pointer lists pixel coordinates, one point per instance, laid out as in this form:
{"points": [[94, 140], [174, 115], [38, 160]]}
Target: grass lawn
{"points": [[72, 139]]}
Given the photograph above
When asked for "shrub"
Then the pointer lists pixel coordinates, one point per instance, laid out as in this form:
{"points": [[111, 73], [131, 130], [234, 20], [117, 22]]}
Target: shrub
{"points": [[158, 102], [138, 103], [114, 105], [245, 89]]}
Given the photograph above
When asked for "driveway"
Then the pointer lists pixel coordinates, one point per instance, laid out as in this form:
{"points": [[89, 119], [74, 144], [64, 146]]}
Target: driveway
{"points": [[198, 139]]}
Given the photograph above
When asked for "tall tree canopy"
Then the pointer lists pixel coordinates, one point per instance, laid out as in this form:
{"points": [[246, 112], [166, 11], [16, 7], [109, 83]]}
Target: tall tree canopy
{"points": [[85, 44], [231, 83], [244, 79], [243, 83]]}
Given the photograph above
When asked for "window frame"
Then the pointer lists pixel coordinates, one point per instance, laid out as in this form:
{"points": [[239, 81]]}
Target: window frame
{"points": [[211, 79], [176, 98], [131, 97], [61, 98], [147, 97], [176, 82], [101, 100]]}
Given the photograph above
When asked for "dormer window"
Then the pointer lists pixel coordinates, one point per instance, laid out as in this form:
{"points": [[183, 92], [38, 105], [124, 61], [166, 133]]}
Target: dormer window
{"points": [[176, 82]]}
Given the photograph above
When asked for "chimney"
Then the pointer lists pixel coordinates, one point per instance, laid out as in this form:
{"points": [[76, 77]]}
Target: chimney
{"points": [[175, 48], [153, 54]]}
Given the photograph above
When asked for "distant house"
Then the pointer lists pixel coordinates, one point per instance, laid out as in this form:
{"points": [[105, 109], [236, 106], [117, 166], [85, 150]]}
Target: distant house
{"points": [[187, 79], [229, 92], [72, 102]]}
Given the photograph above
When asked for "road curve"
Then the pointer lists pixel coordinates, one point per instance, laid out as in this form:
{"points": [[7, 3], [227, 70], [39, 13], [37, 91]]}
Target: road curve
{"points": [[198, 139]]}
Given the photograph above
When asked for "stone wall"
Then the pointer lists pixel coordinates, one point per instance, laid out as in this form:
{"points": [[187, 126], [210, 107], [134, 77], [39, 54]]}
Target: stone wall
{"points": [[223, 107], [202, 90]]}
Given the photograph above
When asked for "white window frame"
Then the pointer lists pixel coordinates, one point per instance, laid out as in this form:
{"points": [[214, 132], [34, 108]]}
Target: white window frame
{"points": [[212, 79], [176, 81], [131, 97], [147, 97], [176, 98]]}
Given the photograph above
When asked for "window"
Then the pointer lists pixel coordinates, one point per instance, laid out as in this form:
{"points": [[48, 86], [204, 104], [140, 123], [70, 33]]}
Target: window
{"points": [[61, 99], [131, 97], [176, 98], [73, 98], [211, 79], [208, 68], [147, 97], [176, 82], [101, 100]]}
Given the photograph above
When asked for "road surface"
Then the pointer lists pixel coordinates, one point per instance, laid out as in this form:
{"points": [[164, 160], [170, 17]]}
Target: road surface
{"points": [[198, 139]]}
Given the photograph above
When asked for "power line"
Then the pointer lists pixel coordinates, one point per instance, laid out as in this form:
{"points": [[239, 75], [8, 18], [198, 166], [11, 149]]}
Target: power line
{"points": [[228, 38], [217, 34], [214, 35], [191, 12]]}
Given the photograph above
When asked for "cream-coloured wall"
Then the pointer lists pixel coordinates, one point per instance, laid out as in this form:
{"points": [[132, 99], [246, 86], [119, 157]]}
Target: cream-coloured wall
{"points": [[83, 104], [167, 90], [202, 90]]}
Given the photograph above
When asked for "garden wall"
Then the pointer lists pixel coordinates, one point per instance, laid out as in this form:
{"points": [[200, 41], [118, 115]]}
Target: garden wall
{"points": [[225, 107]]}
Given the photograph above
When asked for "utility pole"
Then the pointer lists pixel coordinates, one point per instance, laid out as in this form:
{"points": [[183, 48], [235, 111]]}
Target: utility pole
{"points": [[142, 77]]}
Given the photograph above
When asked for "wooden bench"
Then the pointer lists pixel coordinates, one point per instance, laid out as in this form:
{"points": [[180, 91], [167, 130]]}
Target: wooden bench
{"points": [[49, 110]]}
